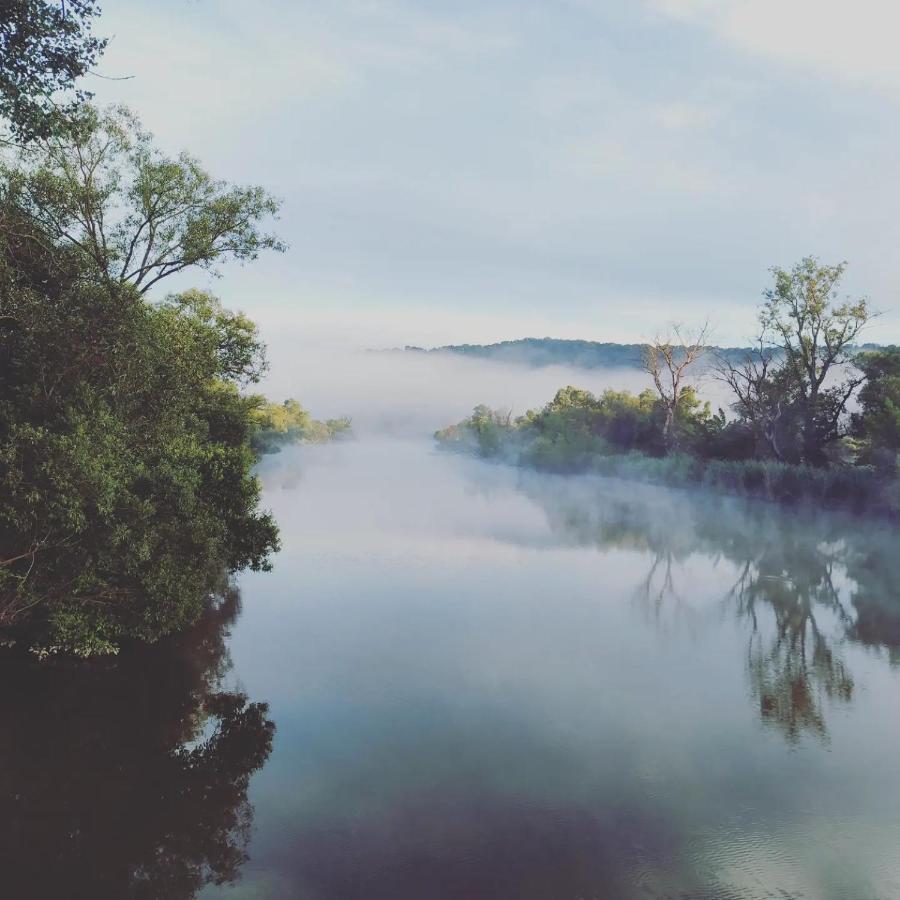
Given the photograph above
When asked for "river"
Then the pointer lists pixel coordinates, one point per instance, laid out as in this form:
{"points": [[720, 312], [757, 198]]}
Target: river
{"points": [[488, 683]]}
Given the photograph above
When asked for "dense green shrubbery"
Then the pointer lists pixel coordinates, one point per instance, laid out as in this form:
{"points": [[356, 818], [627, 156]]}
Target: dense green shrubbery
{"points": [[125, 457], [279, 424], [792, 437], [576, 427], [620, 434], [126, 485]]}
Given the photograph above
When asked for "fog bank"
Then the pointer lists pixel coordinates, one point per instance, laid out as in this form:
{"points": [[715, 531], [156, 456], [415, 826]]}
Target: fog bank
{"points": [[413, 394]]}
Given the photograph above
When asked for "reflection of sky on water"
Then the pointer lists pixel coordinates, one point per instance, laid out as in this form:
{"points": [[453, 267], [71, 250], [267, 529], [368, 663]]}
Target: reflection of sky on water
{"points": [[490, 683]]}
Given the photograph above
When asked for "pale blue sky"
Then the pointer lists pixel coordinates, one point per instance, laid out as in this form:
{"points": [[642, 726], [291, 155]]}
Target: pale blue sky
{"points": [[483, 170]]}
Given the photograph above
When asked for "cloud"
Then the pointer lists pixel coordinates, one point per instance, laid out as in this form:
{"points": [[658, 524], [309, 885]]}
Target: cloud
{"points": [[224, 78], [568, 168], [854, 42]]}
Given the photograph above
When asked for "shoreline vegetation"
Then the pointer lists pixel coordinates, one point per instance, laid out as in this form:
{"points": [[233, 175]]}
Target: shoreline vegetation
{"points": [[278, 425], [812, 419], [129, 434], [857, 489]]}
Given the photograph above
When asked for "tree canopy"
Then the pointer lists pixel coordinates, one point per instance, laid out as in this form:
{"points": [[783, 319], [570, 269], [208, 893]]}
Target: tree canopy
{"points": [[45, 47], [814, 330], [791, 437], [126, 485], [102, 188]]}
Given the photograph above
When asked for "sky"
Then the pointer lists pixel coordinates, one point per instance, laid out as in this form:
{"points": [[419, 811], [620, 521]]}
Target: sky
{"points": [[458, 171]]}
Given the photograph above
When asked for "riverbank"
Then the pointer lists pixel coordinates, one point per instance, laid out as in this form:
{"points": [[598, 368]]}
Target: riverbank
{"points": [[858, 489]]}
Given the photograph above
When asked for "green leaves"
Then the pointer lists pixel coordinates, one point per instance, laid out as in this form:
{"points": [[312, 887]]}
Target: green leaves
{"points": [[126, 486], [279, 424], [45, 46], [132, 214], [813, 330]]}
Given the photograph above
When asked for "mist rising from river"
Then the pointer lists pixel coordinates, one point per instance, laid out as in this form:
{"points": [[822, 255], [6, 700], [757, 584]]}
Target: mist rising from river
{"points": [[490, 682], [414, 394]]}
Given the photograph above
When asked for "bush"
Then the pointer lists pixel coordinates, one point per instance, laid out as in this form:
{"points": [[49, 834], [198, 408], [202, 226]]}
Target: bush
{"points": [[619, 434], [125, 461]]}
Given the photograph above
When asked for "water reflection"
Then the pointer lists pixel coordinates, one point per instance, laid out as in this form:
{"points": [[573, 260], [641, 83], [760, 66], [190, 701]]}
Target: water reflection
{"points": [[803, 585], [128, 778]]}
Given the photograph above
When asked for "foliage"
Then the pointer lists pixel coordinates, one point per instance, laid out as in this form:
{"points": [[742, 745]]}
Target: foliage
{"points": [[878, 421], [278, 424], [137, 215], [791, 439], [125, 457], [45, 46], [486, 433], [576, 427], [814, 330], [125, 443]]}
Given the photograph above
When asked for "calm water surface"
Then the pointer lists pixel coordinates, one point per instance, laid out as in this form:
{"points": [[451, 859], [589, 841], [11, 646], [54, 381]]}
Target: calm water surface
{"points": [[488, 684]]}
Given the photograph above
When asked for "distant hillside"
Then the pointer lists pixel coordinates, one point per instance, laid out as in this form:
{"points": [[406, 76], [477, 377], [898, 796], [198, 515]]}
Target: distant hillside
{"points": [[538, 352]]}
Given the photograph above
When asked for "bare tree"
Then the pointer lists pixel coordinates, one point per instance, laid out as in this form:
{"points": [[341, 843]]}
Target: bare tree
{"points": [[763, 395], [666, 360]]}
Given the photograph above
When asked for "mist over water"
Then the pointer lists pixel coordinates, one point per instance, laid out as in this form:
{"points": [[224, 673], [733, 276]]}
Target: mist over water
{"points": [[491, 683], [413, 394], [467, 681]]}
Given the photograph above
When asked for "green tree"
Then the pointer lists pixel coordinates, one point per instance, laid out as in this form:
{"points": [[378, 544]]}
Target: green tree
{"points": [[125, 461], [133, 213], [279, 424], [813, 331], [877, 422], [44, 48]]}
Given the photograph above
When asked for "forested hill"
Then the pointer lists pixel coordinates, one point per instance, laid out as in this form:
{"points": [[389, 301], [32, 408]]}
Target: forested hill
{"points": [[537, 352]]}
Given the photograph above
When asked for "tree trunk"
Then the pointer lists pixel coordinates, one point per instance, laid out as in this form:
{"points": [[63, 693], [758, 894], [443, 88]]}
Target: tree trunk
{"points": [[668, 433]]}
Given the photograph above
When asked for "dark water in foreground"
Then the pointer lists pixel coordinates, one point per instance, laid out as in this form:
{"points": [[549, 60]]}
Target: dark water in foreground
{"points": [[485, 684]]}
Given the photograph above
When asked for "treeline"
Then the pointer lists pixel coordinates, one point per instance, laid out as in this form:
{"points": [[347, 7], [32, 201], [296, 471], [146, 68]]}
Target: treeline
{"points": [[546, 351], [811, 417], [127, 434], [279, 424]]}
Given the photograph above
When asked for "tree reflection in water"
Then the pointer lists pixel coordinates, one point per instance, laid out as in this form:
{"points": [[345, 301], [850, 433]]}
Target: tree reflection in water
{"points": [[804, 584], [128, 778]]}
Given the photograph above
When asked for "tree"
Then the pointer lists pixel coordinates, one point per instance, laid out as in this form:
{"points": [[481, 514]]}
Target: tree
{"points": [[667, 360], [877, 422], [813, 331], [126, 483], [44, 48], [764, 396], [279, 424], [130, 211]]}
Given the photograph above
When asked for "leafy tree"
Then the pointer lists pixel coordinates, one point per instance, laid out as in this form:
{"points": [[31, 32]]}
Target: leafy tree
{"points": [[814, 330], [278, 424], [125, 442], [135, 214], [487, 432], [878, 419], [44, 48], [125, 458]]}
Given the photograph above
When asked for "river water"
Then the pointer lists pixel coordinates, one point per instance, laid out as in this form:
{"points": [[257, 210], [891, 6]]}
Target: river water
{"points": [[487, 683]]}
